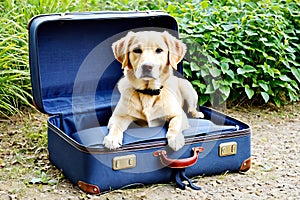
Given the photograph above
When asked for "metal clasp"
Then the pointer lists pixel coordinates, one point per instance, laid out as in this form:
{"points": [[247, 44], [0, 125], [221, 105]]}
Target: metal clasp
{"points": [[227, 149], [124, 162]]}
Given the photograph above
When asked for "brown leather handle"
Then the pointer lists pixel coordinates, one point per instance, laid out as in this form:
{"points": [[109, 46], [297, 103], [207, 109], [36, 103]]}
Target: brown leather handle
{"points": [[178, 163]]}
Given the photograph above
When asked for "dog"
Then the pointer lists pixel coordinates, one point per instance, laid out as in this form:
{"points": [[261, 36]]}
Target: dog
{"points": [[150, 92]]}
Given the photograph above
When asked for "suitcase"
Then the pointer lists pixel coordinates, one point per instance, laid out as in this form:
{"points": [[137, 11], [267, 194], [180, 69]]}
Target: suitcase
{"points": [[74, 76]]}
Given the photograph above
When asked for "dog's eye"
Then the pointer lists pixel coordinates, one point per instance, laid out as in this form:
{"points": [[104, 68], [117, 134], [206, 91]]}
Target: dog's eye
{"points": [[158, 50], [137, 50]]}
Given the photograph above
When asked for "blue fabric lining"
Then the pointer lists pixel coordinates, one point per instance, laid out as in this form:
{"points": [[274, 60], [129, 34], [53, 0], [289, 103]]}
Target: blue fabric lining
{"points": [[73, 59], [83, 103], [93, 137]]}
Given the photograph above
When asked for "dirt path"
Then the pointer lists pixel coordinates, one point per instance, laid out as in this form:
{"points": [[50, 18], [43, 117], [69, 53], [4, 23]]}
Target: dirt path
{"points": [[25, 172]]}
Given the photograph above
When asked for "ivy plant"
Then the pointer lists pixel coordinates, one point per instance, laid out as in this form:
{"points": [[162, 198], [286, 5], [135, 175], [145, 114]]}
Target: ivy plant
{"points": [[242, 50]]}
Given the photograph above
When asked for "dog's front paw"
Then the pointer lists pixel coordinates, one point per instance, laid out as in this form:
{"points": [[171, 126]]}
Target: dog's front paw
{"points": [[196, 114], [175, 141], [112, 142]]}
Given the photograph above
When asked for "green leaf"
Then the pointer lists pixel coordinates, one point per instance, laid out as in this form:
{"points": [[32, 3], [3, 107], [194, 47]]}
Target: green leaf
{"points": [[268, 44], [278, 83], [216, 84], [244, 46], [189, 31], [277, 101], [194, 67], [263, 39], [208, 27], [201, 87], [264, 86], [204, 4], [53, 182], [225, 89], [204, 99], [224, 66], [296, 73], [290, 49], [285, 78], [228, 27], [35, 181], [267, 69], [249, 91], [230, 73], [187, 72], [215, 72], [44, 178], [293, 96], [239, 52], [295, 63], [292, 56], [251, 33], [264, 30], [209, 89], [226, 60], [204, 72], [265, 96], [213, 60], [246, 69], [290, 88], [194, 24], [286, 64], [248, 58], [294, 84], [270, 58]]}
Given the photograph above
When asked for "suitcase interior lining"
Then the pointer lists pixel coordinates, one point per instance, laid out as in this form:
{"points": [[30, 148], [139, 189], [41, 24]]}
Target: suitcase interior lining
{"points": [[89, 129], [93, 137], [72, 61]]}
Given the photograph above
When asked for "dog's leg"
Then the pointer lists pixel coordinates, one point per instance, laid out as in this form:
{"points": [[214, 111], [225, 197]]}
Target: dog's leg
{"points": [[116, 125], [174, 135], [191, 98]]}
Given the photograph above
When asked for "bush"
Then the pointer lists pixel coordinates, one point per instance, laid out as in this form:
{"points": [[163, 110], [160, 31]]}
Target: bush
{"points": [[242, 50]]}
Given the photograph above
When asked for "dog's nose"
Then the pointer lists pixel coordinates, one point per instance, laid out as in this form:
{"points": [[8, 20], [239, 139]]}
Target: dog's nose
{"points": [[147, 68]]}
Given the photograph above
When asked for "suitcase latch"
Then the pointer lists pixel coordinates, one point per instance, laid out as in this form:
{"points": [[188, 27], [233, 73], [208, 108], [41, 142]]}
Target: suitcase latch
{"points": [[227, 149], [124, 162]]}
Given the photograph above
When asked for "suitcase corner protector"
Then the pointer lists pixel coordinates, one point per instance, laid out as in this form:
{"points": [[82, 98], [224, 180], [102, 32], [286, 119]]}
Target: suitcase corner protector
{"points": [[88, 188], [246, 165]]}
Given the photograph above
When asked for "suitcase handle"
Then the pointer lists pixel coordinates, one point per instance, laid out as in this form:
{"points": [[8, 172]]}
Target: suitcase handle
{"points": [[178, 163]]}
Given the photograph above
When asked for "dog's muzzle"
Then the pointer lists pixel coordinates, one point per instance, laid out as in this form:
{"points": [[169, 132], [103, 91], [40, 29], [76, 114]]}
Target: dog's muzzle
{"points": [[147, 71]]}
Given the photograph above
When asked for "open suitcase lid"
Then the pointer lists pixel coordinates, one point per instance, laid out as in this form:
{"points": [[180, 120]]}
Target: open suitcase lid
{"points": [[72, 66]]}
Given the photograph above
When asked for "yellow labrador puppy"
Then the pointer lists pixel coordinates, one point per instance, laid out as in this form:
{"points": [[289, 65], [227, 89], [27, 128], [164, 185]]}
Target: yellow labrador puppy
{"points": [[150, 93]]}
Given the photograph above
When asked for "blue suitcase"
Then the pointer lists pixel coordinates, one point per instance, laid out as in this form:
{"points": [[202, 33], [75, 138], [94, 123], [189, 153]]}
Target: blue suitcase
{"points": [[74, 76]]}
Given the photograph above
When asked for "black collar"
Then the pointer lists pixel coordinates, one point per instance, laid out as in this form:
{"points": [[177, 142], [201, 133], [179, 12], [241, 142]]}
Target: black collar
{"points": [[150, 92]]}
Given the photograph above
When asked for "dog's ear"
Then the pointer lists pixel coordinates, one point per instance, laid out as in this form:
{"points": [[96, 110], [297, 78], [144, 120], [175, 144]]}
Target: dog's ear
{"points": [[121, 49], [176, 48]]}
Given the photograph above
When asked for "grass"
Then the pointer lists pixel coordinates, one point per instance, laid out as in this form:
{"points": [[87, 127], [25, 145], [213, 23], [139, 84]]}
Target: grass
{"points": [[14, 70], [15, 86], [14, 90]]}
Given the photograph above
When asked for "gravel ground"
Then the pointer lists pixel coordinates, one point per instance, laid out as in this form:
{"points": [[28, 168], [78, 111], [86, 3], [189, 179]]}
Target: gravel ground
{"points": [[275, 171]]}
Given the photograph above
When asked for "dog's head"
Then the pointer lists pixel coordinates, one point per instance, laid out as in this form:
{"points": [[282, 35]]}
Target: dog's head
{"points": [[148, 55]]}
